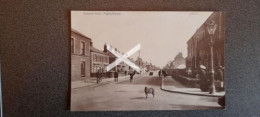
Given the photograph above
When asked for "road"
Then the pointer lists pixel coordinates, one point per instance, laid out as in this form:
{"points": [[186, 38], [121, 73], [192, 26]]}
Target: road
{"points": [[124, 95]]}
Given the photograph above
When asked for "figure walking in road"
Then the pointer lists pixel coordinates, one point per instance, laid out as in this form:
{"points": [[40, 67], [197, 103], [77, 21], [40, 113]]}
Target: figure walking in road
{"points": [[98, 76], [132, 76], [164, 73], [160, 72], [116, 76], [125, 72]]}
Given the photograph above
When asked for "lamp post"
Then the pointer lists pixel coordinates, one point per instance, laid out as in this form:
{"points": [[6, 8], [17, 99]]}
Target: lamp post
{"points": [[211, 27]]}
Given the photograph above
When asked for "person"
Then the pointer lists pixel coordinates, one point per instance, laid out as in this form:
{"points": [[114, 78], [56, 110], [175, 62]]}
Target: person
{"points": [[125, 72], [159, 73], [98, 76], [203, 80], [189, 72], [164, 73], [220, 77], [219, 74], [131, 76], [116, 76]]}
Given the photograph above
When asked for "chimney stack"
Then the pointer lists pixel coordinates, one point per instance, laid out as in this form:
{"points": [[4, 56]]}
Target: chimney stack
{"points": [[105, 47]]}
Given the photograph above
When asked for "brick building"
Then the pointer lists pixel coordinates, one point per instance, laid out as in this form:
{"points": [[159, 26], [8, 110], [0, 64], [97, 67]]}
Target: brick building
{"points": [[99, 60], [111, 56], [80, 56], [199, 44]]}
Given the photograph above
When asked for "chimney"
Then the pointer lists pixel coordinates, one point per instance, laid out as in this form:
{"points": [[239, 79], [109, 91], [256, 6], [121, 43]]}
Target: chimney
{"points": [[105, 47]]}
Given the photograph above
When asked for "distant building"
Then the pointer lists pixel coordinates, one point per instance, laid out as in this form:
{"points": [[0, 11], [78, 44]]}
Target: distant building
{"points": [[199, 48], [178, 60], [80, 56], [141, 64]]}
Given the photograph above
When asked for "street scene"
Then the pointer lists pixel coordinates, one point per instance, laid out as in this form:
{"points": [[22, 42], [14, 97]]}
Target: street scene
{"points": [[127, 61]]}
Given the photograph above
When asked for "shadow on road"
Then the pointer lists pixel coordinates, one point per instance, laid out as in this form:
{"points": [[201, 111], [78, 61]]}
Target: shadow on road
{"points": [[140, 98], [156, 81], [125, 91]]}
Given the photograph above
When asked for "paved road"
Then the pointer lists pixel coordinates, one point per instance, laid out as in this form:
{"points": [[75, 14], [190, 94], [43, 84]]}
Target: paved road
{"points": [[130, 96]]}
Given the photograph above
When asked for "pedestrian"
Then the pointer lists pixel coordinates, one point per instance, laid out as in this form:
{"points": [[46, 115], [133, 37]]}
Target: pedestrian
{"points": [[164, 73], [203, 79], [98, 76], [116, 76], [159, 73], [220, 77], [189, 72], [219, 74], [125, 72], [132, 76]]}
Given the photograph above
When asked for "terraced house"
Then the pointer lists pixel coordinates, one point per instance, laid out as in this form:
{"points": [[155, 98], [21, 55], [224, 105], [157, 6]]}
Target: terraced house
{"points": [[80, 56]]}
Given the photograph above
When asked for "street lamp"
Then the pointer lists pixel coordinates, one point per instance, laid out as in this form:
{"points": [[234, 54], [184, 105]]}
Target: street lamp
{"points": [[211, 27]]}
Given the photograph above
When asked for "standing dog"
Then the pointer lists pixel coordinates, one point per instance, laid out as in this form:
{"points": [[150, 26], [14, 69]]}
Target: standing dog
{"points": [[148, 91]]}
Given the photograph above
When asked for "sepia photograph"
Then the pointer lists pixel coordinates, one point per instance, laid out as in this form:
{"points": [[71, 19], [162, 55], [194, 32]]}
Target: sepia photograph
{"points": [[147, 60]]}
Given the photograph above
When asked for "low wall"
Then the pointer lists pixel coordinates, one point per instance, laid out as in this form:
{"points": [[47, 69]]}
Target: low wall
{"points": [[189, 82]]}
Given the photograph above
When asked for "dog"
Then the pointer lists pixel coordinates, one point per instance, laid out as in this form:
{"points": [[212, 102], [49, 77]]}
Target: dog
{"points": [[148, 91]]}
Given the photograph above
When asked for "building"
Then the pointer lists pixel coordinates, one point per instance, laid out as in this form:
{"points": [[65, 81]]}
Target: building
{"points": [[178, 60], [139, 62], [80, 56], [121, 67], [111, 56], [199, 44], [99, 60]]}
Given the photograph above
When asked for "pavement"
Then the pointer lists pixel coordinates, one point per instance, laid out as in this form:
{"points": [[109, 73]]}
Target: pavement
{"points": [[171, 85]]}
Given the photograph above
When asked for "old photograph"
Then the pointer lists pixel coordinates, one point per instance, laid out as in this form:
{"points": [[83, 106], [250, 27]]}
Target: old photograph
{"points": [[147, 60]]}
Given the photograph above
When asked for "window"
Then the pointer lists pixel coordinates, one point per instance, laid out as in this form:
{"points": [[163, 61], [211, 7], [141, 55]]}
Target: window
{"points": [[72, 45], [94, 58], [83, 69], [82, 48]]}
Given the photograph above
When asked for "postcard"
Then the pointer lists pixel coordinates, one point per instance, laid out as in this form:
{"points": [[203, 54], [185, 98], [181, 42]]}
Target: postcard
{"points": [[147, 60]]}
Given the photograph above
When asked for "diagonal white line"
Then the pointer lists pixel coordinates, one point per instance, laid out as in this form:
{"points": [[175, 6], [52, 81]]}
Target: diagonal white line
{"points": [[123, 57], [127, 62], [129, 53]]}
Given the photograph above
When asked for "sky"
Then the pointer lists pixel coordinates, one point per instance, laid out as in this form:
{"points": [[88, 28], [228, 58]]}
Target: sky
{"points": [[162, 34]]}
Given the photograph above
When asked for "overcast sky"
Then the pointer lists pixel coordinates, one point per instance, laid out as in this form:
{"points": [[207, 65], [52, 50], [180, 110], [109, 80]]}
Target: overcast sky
{"points": [[162, 35]]}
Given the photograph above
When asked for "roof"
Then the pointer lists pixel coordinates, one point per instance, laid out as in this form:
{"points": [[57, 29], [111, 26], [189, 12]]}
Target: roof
{"points": [[92, 49], [77, 32], [202, 25], [110, 54]]}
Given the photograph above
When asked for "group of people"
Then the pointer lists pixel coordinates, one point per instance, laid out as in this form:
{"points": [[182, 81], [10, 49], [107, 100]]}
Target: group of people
{"points": [[99, 76], [162, 73], [204, 79], [219, 74]]}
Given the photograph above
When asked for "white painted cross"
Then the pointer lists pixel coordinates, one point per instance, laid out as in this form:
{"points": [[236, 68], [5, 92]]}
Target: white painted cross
{"points": [[124, 57]]}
